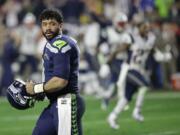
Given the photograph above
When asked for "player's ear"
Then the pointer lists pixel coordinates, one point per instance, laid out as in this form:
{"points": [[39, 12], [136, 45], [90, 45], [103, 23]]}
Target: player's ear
{"points": [[60, 25]]}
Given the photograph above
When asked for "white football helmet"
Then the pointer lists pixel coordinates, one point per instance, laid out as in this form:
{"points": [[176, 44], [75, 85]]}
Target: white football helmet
{"points": [[119, 21]]}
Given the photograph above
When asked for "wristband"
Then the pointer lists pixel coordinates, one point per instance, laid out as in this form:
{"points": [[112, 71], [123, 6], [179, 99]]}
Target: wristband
{"points": [[39, 88]]}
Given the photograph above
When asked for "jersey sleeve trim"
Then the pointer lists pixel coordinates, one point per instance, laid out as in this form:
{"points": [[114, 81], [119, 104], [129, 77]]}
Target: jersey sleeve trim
{"points": [[51, 49], [65, 48]]}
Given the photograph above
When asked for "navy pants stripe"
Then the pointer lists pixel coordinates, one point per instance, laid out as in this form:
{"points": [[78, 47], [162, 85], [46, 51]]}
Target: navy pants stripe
{"points": [[134, 81]]}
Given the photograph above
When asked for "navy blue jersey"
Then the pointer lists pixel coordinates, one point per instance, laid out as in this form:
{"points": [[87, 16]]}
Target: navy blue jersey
{"points": [[61, 59]]}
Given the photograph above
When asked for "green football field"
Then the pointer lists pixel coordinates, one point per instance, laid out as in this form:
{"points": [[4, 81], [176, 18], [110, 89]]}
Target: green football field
{"points": [[161, 111]]}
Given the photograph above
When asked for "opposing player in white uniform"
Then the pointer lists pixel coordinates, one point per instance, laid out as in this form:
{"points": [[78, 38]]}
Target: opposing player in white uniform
{"points": [[118, 40], [135, 76]]}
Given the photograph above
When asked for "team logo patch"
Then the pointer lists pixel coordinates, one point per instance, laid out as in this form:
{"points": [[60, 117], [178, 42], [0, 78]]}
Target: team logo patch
{"points": [[59, 44]]}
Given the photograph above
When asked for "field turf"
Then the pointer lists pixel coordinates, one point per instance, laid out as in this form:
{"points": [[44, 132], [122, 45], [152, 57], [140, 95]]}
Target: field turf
{"points": [[161, 111]]}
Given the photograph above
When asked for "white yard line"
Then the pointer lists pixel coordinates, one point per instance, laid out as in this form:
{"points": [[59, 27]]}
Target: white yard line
{"points": [[164, 133], [15, 129], [19, 118]]}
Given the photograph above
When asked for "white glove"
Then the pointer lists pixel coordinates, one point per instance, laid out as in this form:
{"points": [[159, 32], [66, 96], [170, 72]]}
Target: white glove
{"points": [[162, 56], [104, 71]]}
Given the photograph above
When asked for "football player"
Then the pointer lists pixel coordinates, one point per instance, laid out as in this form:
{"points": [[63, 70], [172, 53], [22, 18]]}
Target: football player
{"points": [[60, 80], [136, 77], [119, 41]]}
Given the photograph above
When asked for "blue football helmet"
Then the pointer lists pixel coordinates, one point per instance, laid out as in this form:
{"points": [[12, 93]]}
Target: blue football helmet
{"points": [[18, 97]]}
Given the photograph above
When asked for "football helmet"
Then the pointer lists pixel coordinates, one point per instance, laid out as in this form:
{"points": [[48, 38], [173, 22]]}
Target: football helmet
{"points": [[120, 20], [18, 97]]}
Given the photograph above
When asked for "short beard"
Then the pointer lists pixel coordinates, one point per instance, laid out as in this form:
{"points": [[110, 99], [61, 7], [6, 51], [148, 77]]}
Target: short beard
{"points": [[54, 34]]}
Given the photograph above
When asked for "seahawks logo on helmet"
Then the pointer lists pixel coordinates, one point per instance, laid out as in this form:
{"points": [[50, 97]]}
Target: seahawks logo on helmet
{"points": [[19, 98]]}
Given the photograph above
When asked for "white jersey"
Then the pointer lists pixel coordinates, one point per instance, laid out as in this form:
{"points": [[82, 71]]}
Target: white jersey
{"points": [[115, 39], [139, 52]]}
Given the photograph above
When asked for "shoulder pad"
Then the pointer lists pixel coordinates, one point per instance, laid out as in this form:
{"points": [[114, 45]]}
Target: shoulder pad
{"points": [[59, 43]]}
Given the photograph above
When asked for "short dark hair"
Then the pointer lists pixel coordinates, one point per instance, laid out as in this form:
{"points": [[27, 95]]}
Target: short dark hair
{"points": [[51, 14]]}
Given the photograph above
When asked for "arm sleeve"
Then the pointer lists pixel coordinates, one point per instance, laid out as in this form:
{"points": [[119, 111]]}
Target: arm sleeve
{"points": [[62, 65]]}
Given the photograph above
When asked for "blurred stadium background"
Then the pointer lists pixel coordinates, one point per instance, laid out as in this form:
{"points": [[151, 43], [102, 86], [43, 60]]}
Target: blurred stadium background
{"points": [[21, 58]]}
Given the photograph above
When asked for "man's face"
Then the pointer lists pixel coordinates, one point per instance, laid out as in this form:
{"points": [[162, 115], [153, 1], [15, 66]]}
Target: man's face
{"points": [[120, 26], [144, 29], [50, 28]]}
